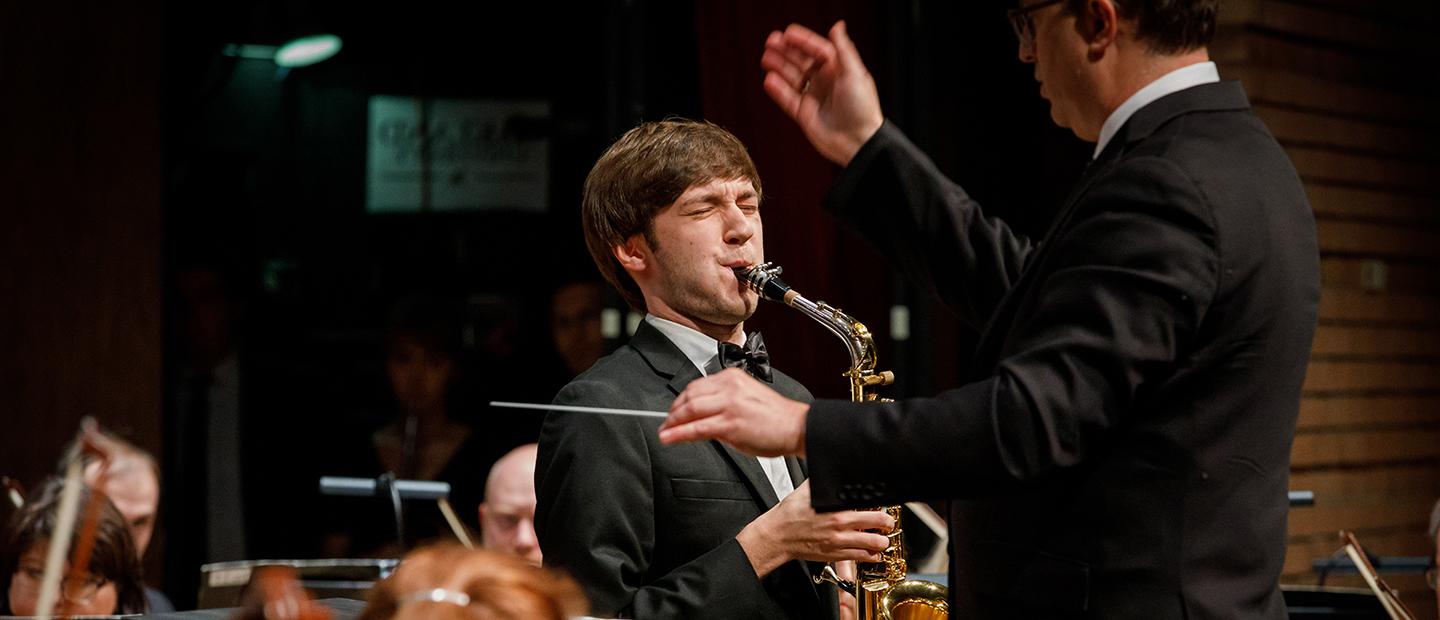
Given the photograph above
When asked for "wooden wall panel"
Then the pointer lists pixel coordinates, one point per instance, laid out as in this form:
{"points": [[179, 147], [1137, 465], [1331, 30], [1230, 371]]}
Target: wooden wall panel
{"points": [[1340, 340], [1369, 376], [1298, 88], [1343, 305], [1380, 240], [1421, 277], [1327, 130], [80, 215], [1334, 201], [1320, 412], [1336, 82]]}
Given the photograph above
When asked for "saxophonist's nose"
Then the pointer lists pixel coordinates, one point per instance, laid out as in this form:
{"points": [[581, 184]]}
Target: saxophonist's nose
{"points": [[738, 227]]}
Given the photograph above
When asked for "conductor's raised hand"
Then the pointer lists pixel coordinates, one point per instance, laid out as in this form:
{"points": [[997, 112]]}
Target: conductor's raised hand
{"points": [[822, 84], [739, 410]]}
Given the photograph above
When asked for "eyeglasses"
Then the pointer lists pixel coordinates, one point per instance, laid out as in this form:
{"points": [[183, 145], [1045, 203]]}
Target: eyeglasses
{"points": [[79, 590], [1024, 26]]}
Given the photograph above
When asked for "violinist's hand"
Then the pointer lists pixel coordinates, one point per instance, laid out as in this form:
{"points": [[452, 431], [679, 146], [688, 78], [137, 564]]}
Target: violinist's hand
{"points": [[824, 86], [735, 408]]}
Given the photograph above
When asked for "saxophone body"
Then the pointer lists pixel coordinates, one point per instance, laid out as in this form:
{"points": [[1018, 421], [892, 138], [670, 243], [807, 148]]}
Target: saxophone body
{"points": [[881, 589]]}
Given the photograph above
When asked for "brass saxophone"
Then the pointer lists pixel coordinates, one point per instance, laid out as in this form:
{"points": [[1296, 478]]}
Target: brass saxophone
{"points": [[880, 588]]}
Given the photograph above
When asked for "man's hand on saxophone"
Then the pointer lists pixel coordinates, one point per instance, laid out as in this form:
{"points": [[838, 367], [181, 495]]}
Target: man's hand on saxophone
{"points": [[792, 530], [737, 409]]}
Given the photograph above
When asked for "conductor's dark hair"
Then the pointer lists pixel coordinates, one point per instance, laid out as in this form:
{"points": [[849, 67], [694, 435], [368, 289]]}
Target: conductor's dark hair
{"points": [[1166, 26]]}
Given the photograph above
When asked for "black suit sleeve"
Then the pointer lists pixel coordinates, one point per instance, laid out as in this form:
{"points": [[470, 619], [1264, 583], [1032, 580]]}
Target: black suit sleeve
{"points": [[596, 519], [893, 195], [1117, 300]]}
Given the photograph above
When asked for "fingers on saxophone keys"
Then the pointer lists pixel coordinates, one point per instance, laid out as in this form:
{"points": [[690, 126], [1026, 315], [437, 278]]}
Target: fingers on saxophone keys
{"points": [[859, 546], [877, 545], [873, 520]]}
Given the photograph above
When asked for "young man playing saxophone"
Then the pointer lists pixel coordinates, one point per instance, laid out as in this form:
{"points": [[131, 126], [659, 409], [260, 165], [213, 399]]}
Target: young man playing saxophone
{"points": [[697, 530]]}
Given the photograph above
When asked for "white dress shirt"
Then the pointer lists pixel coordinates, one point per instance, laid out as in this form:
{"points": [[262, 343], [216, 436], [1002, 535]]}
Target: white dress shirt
{"points": [[1172, 82], [700, 349]]}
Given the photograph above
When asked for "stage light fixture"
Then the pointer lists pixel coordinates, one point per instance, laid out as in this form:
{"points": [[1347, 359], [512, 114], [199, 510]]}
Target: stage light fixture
{"points": [[307, 50], [300, 52]]}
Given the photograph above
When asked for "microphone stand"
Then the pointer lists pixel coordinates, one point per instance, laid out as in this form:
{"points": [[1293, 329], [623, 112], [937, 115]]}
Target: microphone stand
{"points": [[387, 485]]}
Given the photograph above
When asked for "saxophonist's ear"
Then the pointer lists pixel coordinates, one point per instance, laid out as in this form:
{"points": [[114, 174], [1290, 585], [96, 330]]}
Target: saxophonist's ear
{"points": [[633, 255]]}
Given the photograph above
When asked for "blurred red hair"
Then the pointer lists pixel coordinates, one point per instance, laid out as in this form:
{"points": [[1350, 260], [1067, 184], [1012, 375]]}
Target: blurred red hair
{"points": [[497, 586]]}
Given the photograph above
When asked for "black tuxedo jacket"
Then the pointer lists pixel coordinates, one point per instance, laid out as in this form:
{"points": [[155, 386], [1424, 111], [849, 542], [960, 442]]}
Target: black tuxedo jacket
{"points": [[649, 530], [1123, 448]]}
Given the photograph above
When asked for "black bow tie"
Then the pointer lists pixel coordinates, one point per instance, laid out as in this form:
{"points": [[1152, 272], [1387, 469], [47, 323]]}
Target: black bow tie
{"points": [[752, 357]]}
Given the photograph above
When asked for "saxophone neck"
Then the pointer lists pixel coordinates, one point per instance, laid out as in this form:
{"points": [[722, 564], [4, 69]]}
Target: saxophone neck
{"points": [[765, 280]]}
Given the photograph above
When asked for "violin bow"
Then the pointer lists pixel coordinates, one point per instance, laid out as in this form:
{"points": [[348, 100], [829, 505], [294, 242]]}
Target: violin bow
{"points": [[90, 442]]}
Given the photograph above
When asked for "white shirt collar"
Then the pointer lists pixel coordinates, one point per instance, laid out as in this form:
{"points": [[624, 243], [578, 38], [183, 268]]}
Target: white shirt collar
{"points": [[1172, 82], [697, 347]]}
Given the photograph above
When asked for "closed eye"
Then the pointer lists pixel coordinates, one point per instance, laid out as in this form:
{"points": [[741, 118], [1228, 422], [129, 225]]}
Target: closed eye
{"points": [[699, 211]]}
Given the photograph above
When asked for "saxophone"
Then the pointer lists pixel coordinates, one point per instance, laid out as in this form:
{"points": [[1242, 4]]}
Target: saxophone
{"points": [[880, 588]]}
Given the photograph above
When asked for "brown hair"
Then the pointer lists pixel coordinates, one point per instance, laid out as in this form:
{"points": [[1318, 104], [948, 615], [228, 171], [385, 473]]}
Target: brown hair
{"points": [[112, 558], [1167, 26], [644, 172], [498, 587]]}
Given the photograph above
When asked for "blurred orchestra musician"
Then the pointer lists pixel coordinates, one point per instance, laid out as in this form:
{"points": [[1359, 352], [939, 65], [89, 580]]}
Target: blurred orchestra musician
{"points": [[111, 584], [421, 440], [132, 484], [449, 582], [507, 516], [575, 310], [208, 431]]}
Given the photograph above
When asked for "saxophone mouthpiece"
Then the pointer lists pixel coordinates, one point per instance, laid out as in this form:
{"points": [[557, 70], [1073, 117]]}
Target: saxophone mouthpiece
{"points": [[765, 280]]}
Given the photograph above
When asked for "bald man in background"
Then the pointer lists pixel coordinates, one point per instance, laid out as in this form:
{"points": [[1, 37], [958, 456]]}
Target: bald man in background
{"points": [[507, 516]]}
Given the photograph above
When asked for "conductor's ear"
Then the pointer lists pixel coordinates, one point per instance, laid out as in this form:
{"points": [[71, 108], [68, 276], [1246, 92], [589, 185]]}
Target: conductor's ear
{"points": [[1098, 25]]}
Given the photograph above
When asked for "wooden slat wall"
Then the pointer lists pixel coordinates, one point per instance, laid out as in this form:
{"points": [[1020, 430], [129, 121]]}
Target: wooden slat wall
{"points": [[79, 226], [1344, 86]]}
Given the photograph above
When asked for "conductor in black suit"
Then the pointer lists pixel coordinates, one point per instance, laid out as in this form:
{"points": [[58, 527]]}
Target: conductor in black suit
{"points": [[697, 530], [1122, 448]]}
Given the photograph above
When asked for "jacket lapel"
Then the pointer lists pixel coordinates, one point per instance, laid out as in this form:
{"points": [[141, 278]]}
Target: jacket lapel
{"points": [[798, 471], [667, 360]]}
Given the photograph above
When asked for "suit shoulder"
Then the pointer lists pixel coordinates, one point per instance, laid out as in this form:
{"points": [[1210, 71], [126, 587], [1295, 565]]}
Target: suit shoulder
{"points": [[619, 381], [788, 387], [604, 383]]}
